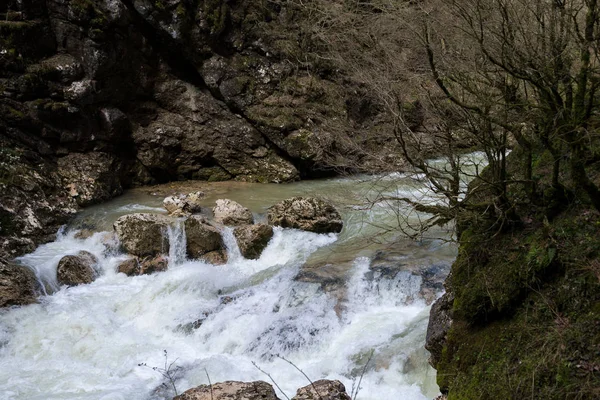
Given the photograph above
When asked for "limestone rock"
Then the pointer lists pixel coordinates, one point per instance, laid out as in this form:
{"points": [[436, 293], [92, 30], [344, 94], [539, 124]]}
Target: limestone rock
{"points": [[440, 320], [230, 390], [76, 269], [306, 213], [143, 234], [323, 390], [201, 237], [252, 239], [183, 204], [151, 265], [218, 257], [129, 267], [229, 212], [17, 285]]}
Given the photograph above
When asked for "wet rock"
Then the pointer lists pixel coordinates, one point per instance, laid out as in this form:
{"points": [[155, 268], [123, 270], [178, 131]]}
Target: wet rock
{"points": [[252, 239], [76, 269], [440, 320], [83, 234], [306, 213], [183, 204], [231, 390], [151, 265], [202, 238], [229, 212], [218, 257], [323, 390], [129, 267], [143, 234], [18, 285]]}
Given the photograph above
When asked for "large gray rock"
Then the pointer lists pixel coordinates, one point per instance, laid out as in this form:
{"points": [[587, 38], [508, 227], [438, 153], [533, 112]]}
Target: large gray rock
{"points": [[18, 285], [76, 269], [229, 212], [183, 204], [201, 237], [230, 390], [440, 320], [252, 239], [143, 234], [323, 390], [306, 213]]}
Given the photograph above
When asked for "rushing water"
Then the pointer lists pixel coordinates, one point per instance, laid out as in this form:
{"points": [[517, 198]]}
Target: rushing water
{"points": [[86, 342]]}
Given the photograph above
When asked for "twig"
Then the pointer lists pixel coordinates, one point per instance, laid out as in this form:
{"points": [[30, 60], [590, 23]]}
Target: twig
{"points": [[362, 374], [302, 372], [271, 378], [209, 384]]}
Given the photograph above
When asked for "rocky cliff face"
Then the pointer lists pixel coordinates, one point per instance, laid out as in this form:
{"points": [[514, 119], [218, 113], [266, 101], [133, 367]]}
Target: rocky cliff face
{"points": [[99, 95]]}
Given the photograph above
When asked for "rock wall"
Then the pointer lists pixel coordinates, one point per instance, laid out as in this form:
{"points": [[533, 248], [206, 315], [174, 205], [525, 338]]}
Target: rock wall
{"points": [[99, 95]]}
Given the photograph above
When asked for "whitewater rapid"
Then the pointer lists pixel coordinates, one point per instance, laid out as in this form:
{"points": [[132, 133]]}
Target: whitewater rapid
{"points": [[86, 342]]}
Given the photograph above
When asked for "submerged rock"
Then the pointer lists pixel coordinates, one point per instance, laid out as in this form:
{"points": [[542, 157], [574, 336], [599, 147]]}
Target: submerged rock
{"points": [[306, 213], [440, 320], [77, 269], [323, 390], [18, 285], [201, 237], [183, 204], [229, 212], [143, 234], [252, 239], [230, 390]]}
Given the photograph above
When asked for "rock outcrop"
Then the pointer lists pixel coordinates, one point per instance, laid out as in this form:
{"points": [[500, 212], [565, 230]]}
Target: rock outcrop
{"points": [[183, 204], [143, 234], [231, 390], [18, 285], [101, 95], [204, 240], [440, 320], [252, 239], [76, 269], [229, 212], [306, 213], [323, 390]]}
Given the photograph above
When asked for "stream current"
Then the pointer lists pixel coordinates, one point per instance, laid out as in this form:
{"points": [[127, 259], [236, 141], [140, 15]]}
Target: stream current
{"points": [[325, 302]]}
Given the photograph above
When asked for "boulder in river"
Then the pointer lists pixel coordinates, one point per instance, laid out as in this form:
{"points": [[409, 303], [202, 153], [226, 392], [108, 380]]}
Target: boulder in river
{"points": [[18, 285], [252, 239], [201, 237], [230, 390], [323, 390], [76, 269], [143, 234], [183, 204], [129, 267], [306, 213], [151, 265], [229, 212]]}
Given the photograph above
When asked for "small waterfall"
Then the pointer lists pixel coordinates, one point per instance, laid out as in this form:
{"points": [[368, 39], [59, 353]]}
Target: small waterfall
{"points": [[177, 242], [233, 250]]}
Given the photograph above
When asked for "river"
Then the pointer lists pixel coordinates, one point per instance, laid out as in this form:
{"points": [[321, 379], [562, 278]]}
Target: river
{"points": [[325, 302]]}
